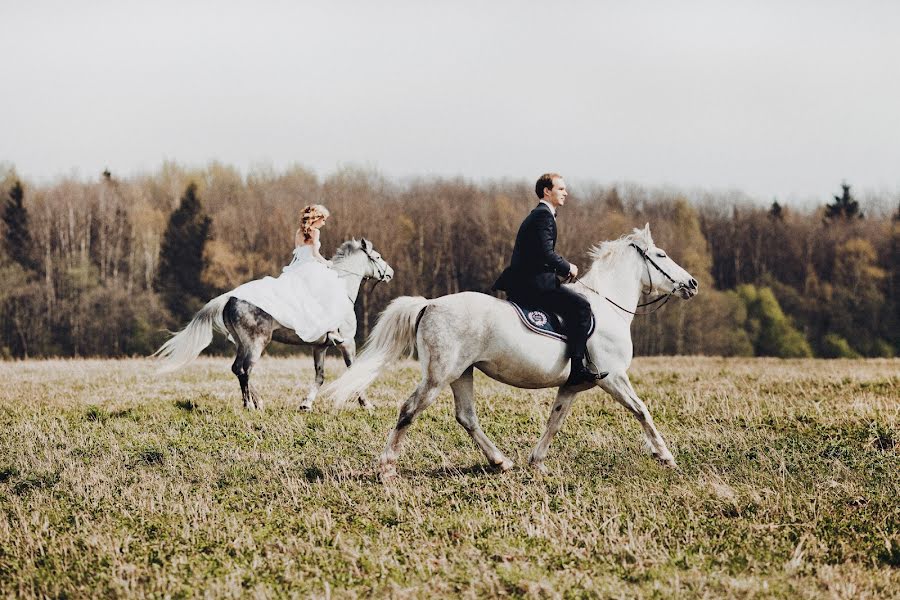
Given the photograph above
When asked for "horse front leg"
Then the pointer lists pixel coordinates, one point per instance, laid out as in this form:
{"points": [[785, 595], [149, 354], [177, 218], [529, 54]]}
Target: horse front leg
{"points": [[619, 387], [561, 408], [319, 362], [348, 351]]}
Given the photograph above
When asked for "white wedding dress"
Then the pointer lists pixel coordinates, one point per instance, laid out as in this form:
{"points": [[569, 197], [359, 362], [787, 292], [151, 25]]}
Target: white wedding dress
{"points": [[307, 297]]}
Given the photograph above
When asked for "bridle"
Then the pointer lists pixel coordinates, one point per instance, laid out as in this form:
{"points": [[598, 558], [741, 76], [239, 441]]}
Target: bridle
{"points": [[662, 297], [382, 271]]}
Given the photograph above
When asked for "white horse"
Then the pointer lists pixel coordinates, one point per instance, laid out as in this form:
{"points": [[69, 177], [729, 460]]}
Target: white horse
{"points": [[455, 334], [251, 328]]}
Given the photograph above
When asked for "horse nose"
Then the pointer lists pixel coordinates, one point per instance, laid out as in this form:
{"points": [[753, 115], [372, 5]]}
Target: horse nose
{"points": [[693, 283]]}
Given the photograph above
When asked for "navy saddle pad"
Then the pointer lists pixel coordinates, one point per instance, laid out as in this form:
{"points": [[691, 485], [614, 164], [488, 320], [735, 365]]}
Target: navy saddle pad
{"points": [[544, 322]]}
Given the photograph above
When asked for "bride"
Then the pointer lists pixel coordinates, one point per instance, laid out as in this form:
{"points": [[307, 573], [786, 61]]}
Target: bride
{"points": [[308, 296]]}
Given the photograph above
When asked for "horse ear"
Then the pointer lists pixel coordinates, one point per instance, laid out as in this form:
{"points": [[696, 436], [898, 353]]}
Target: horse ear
{"points": [[647, 235], [364, 243]]}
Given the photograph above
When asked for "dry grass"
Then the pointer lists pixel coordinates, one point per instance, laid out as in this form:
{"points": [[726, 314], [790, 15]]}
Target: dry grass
{"points": [[115, 482]]}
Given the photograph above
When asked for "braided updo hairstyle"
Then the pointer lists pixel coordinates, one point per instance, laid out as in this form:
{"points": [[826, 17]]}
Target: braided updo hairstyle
{"points": [[310, 215]]}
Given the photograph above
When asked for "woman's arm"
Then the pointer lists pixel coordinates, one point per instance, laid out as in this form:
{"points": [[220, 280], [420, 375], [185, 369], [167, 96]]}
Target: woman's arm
{"points": [[315, 249]]}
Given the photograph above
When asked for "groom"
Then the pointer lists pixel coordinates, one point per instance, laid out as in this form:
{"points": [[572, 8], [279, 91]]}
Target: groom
{"points": [[531, 277]]}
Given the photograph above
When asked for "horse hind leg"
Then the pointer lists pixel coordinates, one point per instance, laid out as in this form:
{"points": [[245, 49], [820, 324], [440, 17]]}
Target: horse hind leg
{"points": [[619, 387], [424, 395], [251, 329], [464, 400], [348, 351], [252, 359], [247, 356], [239, 369]]}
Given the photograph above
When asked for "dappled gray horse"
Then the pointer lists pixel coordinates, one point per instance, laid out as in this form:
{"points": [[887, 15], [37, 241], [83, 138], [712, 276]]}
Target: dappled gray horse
{"points": [[457, 333], [251, 328]]}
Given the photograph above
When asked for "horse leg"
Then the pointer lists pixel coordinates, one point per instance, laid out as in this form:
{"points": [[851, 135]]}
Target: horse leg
{"points": [[237, 367], [619, 387], [561, 408], [319, 362], [252, 399], [464, 399], [251, 329], [348, 351], [426, 393]]}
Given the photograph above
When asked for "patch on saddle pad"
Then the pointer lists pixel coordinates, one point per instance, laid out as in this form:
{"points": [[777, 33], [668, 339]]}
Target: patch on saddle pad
{"points": [[546, 323]]}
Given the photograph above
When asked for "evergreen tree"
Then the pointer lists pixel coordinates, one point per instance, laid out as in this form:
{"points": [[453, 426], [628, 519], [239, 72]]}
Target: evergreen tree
{"points": [[776, 212], [17, 240], [844, 207], [181, 261]]}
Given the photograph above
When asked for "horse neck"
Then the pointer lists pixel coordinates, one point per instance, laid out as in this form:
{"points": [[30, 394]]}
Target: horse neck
{"points": [[620, 282], [352, 265]]}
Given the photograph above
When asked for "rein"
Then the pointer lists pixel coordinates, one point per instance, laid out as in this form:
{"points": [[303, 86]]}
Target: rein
{"points": [[664, 297], [346, 272], [381, 272]]}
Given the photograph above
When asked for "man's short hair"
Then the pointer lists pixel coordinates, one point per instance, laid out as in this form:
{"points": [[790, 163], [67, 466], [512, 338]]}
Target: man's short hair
{"points": [[544, 181]]}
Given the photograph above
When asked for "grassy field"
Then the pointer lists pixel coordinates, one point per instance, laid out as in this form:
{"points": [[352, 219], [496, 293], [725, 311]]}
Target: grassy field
{"points": [[116, 482]]}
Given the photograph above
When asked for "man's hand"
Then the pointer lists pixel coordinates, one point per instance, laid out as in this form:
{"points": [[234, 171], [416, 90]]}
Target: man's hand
{"points": [[573, 271]]}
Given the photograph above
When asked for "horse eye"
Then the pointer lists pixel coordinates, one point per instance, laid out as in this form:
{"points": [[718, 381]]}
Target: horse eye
{"points": [[661, 254]]}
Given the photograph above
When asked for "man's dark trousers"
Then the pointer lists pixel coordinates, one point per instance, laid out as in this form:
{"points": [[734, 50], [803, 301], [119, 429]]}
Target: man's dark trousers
{"points": [[574, 309]]}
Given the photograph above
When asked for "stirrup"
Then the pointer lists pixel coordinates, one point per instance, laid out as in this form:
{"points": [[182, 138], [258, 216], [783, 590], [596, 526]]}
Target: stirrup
{"points": [[588, 363], [584, 375]]}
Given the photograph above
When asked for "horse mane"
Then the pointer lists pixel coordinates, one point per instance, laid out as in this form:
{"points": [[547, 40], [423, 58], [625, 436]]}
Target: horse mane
{"points": [[605, 254], [346, 249]]}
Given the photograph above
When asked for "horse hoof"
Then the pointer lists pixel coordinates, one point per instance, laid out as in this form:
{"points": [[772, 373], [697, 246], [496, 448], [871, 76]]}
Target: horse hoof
{"points": [[540, 468], [504, 465], [305, 407], [667, 462], [388, 475]]}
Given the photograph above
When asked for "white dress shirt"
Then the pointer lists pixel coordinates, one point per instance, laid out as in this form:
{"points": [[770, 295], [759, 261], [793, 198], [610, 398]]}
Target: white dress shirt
{"points": [[550, 206]]}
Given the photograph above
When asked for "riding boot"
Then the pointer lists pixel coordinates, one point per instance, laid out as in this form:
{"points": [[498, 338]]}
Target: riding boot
{"points": [[580, 372]]}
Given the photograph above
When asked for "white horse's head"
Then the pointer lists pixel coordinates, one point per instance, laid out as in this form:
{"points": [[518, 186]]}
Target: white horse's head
{"points": [[377, 268], [374, 267], [662, 275]]}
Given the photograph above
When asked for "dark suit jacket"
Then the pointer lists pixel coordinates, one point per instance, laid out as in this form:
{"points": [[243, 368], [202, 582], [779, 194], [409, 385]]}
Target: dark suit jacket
{"points": [[535, 263]]}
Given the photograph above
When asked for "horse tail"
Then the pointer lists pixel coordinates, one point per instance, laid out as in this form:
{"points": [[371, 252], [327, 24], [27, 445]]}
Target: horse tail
{"points": [[186, 345], [394, 335]]}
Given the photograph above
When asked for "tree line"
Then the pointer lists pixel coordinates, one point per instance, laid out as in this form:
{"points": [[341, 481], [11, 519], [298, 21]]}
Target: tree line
{"points": [[105, 267]]}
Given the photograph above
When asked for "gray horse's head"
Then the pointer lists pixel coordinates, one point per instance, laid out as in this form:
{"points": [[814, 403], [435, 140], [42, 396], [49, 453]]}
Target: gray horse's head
{"points": [[375, 266], [662, 275]]}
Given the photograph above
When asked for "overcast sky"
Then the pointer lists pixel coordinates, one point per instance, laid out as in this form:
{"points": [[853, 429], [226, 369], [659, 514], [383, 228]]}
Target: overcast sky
{"points": [[780, 99]]}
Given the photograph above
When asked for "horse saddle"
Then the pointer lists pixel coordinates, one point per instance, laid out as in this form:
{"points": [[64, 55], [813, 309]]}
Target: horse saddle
{"points": [[544, 322]]}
